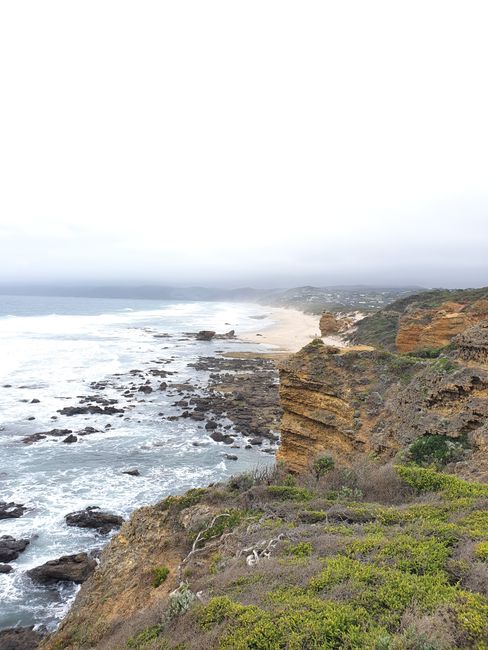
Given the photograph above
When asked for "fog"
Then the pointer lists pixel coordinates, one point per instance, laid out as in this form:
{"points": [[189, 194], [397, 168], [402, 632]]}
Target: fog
{"points": [[261, 143]]}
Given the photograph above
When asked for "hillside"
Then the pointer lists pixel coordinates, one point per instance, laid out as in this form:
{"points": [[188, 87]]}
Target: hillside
{"points": [[365, 559], [371, 532]]}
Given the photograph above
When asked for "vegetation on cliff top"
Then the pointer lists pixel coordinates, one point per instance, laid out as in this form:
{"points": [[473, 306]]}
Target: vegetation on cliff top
{"points": [[379, 558]]}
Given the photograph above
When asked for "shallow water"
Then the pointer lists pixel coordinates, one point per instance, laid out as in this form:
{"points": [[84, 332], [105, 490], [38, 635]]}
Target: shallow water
{"points": [[50, 350]]}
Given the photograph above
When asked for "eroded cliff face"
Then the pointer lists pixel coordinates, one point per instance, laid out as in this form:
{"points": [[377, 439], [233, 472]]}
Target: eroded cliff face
{"points": [[120, 589], [424, 321], [357, 403], [435, 328]]}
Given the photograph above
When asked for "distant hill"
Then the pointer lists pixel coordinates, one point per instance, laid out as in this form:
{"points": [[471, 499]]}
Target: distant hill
{"points": [[307, 298]]}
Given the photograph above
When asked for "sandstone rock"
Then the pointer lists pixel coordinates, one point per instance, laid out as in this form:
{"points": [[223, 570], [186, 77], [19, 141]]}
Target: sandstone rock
{"points": [[93, 517], [69, 568], [472, 344], [11, 548], [195, 517], [329, 324], [357, 403]]}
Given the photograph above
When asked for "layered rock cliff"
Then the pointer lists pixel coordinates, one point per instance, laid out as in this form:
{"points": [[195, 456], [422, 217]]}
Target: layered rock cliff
{"points": [[362, 402], [423, 321]]}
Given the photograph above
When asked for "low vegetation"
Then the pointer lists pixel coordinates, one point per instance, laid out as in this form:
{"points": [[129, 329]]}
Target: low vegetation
{"points": [[380, 559]]}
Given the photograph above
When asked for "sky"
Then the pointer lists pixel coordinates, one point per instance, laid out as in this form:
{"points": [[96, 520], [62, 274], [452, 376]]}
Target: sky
{"points": [[265, 143]]}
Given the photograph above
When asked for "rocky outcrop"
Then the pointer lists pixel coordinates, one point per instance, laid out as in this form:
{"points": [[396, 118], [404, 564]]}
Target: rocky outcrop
{"points": [[93, 517], [11, 510], [69, 568], [354, 403], [11, 548], [332, 324], [122, 587], [472, 344]]}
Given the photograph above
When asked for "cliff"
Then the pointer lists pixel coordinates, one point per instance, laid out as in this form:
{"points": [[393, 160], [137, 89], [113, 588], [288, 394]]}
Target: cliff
{"points": [[423, 321], [360, 402]]}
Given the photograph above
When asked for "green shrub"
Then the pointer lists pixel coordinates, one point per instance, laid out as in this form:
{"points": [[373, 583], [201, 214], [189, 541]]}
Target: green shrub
{"points": [[178, 503], [481, 551], [160, 574], [443, 365], [414, 555], [145, 637], [438, 450], [289, 493], [322, 465], [426, 479], [302, 549]]}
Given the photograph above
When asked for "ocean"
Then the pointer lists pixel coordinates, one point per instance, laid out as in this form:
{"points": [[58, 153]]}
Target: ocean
{"points": [[51, 352]]}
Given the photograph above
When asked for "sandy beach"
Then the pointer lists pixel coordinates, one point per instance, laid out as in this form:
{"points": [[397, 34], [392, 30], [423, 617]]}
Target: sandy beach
{"points": [[291, 330]]}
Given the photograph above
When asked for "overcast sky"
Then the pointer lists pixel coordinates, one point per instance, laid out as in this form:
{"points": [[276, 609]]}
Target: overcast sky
{"points": [[258, 142]]}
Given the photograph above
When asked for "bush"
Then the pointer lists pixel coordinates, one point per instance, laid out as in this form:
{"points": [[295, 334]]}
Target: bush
{"points": [[145, 637], [159, 575], [289, 493], [438, 450], [322, 465], [302, 549], [481, 551], [423, 479]]}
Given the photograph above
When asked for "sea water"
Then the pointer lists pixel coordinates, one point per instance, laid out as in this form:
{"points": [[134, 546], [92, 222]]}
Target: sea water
{"points": [[50, 350]]}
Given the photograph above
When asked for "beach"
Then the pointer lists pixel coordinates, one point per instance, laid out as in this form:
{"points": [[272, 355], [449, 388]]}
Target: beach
{"points": [[291, 330]]}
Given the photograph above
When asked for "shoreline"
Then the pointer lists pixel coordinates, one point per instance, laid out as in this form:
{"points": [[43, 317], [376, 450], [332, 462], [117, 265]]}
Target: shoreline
{"points": [[291, 331]]}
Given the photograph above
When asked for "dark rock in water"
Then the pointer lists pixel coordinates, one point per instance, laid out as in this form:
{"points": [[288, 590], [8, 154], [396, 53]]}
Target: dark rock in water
{"points": [[31, 418], [256, 441], [93, 517], [211, 425], [71, 438], [7, 386], [6, 568], [69, 568], [92, 409], [132, 472], [11, 510], [87, 431], [205, 335], [11, 548], [221, 437], [145, 389], [20, 638], [35, 401], [230, 457], [35, 437], [163, 385]]}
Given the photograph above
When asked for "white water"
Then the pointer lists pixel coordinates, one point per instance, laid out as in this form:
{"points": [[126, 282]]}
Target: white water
{"points": [[53, 357]]}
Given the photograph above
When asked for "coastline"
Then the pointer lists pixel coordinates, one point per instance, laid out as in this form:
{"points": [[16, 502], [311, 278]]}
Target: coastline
{"points": [[292, 330]]}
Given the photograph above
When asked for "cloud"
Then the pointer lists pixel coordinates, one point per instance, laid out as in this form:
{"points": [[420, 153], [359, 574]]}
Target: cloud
{"points": [[224, 142]]}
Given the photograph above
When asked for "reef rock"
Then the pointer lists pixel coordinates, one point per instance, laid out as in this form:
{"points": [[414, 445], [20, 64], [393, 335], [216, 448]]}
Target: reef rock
{"points": [[93, 517], [11, 548], [69, 568]]}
